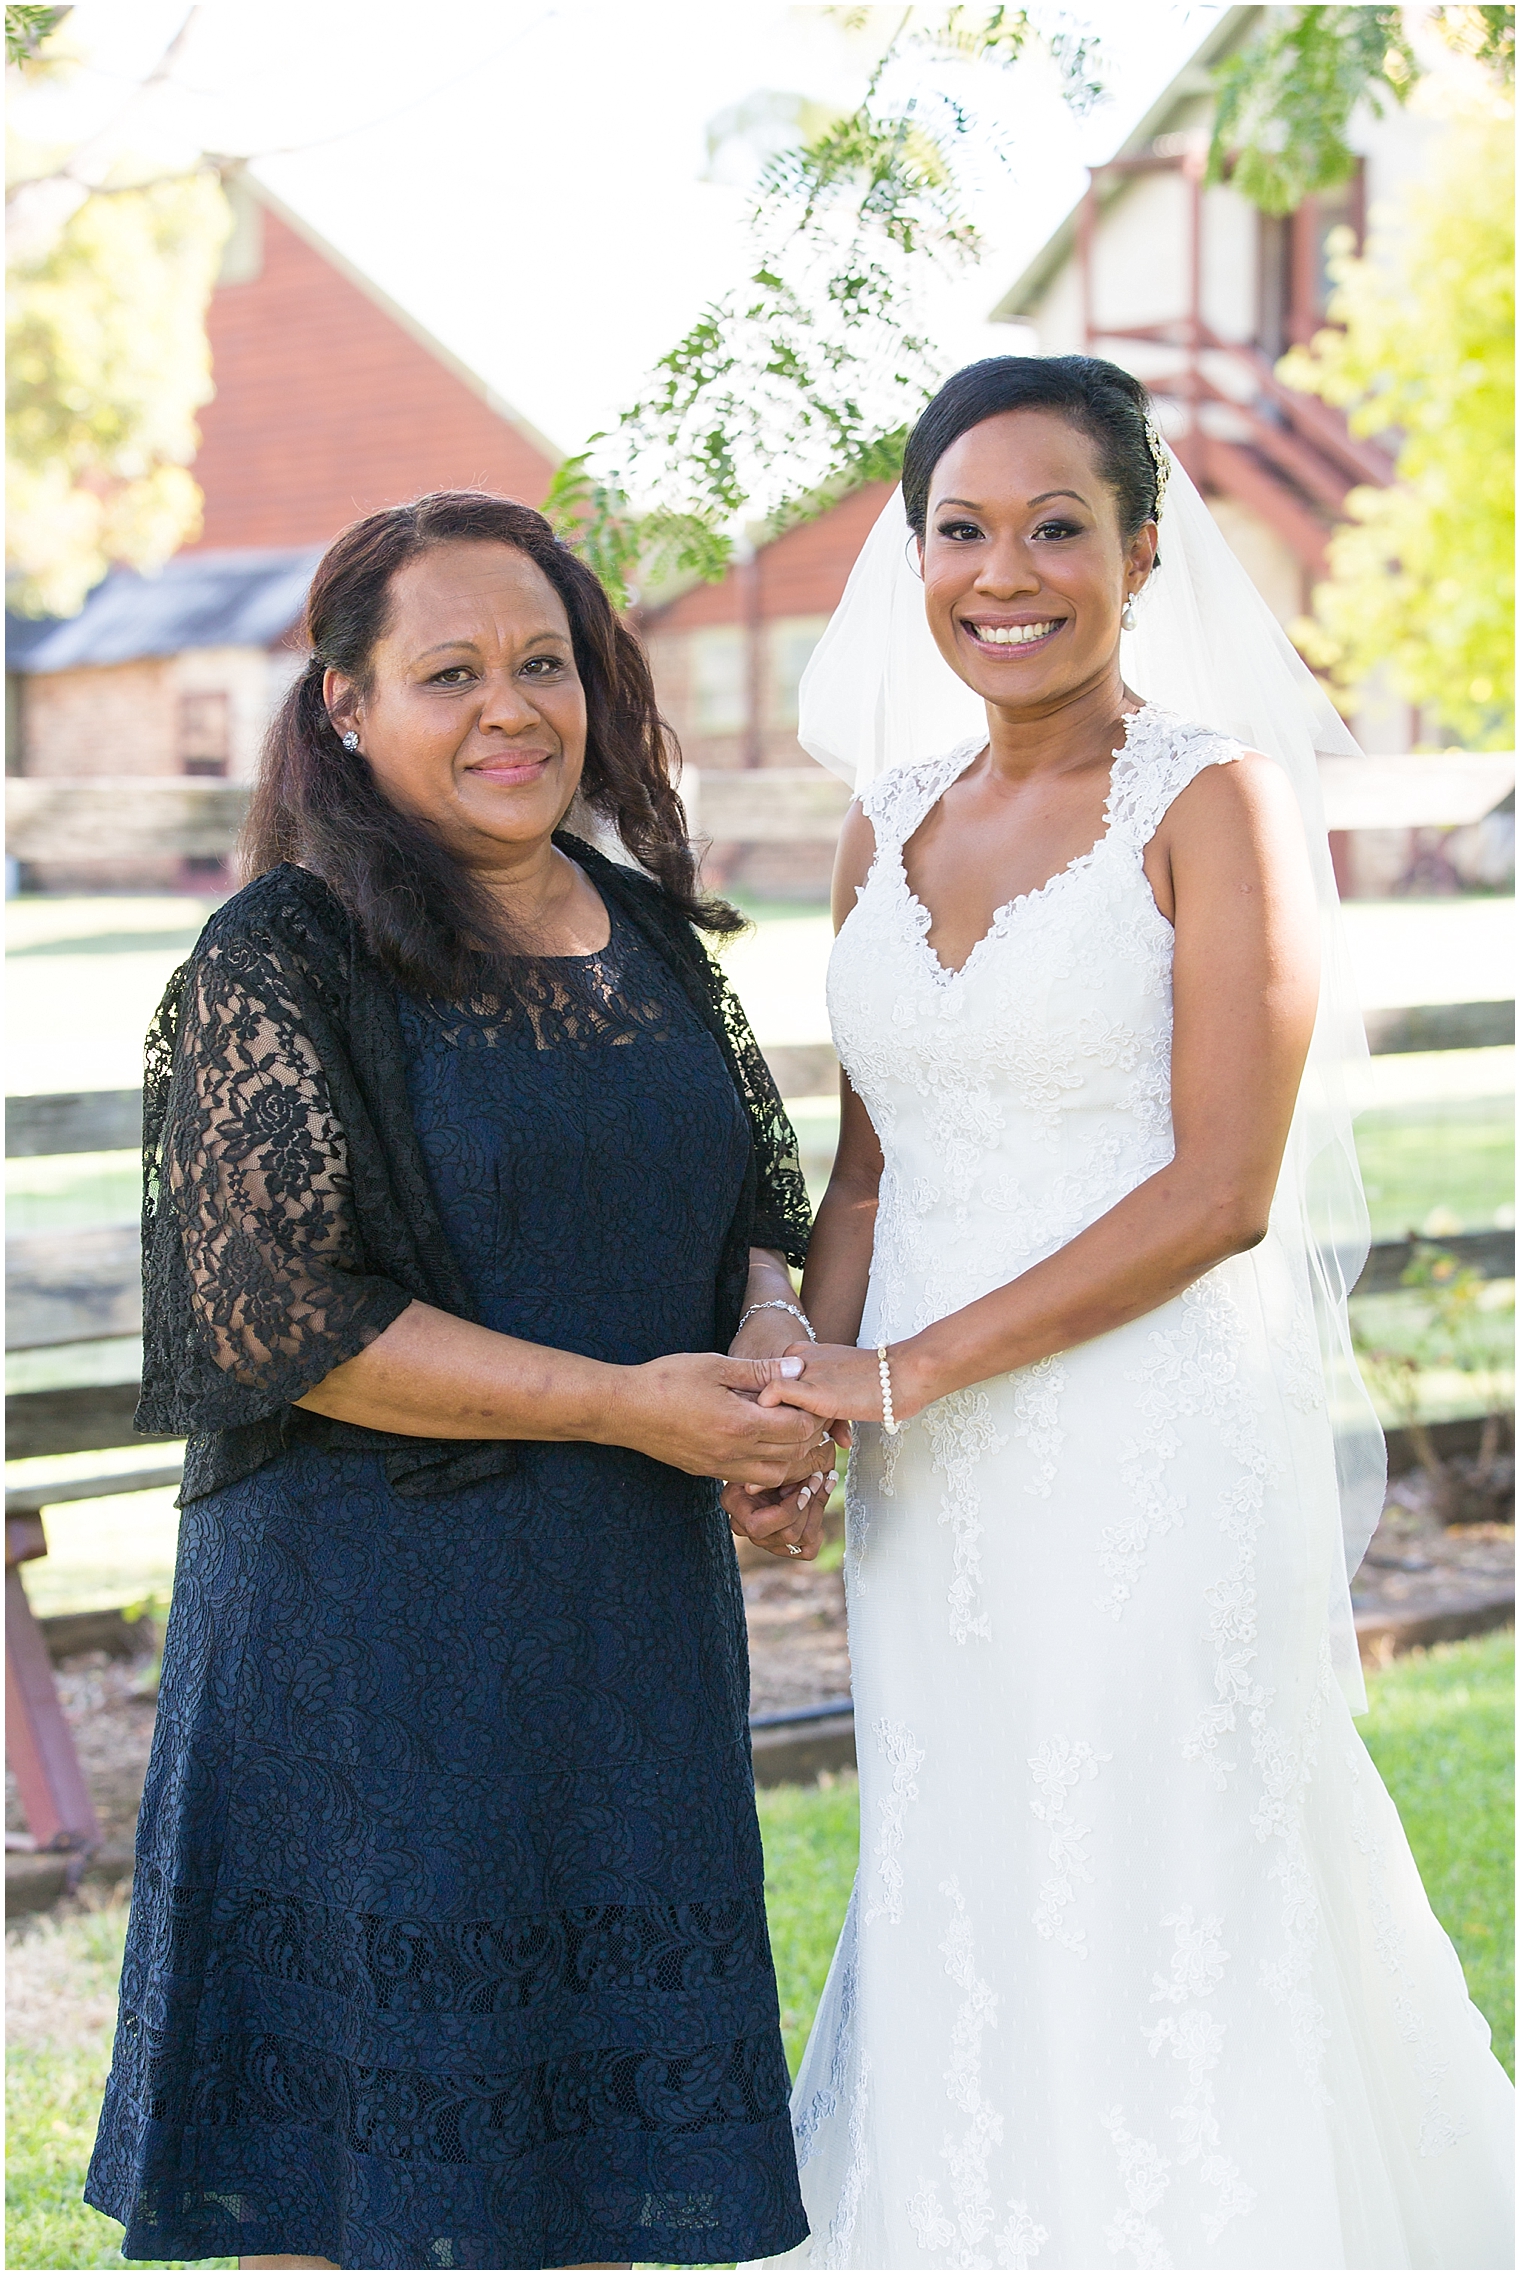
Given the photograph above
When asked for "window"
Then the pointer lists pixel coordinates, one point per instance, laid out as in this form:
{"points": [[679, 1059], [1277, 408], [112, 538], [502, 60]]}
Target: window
{"points": [[791, 642], [719, 680], [204, 732], [1295, 252]]}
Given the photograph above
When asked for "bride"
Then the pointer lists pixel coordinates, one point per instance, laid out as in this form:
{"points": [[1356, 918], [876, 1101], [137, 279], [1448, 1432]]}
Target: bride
{"points": [[1138, 1970]]}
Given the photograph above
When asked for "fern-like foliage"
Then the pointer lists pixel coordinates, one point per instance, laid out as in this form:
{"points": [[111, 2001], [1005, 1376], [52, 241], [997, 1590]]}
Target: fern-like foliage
{"points": [[26, 28], [802, 382]]}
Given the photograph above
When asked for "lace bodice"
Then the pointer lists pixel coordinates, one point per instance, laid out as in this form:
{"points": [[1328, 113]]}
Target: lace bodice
{"points": [[1020, 1097]]}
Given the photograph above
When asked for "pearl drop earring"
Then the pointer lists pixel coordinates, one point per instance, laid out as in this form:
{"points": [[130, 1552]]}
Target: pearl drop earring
{"points": [[1127, 618]]}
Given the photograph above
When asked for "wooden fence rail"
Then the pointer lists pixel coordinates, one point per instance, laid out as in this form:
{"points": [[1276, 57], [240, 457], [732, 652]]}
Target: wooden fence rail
{"points": [[108, 817], [113, 817]]}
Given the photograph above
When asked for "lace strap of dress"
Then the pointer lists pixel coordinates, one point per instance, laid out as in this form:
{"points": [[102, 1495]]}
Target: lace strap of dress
{"points": [[1162, 754], [897, 802]]}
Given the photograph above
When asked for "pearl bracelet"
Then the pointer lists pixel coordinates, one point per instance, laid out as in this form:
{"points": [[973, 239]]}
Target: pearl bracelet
{"points": [[889, 1421], [776, 1304]]}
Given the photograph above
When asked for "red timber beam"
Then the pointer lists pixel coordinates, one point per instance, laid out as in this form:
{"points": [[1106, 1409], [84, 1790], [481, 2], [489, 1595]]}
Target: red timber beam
{"points": [[1239, 475]]}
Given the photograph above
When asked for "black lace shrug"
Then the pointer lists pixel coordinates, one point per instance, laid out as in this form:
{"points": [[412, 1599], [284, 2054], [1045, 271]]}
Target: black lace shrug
{"points": [[287, 1213]]}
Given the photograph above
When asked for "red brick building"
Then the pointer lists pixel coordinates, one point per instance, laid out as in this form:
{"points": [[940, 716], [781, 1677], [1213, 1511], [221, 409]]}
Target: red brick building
{"points": [[727, 660], [331, 400]]}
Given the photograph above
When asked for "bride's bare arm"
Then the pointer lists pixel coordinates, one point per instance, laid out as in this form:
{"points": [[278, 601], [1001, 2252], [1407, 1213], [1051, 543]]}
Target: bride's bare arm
{"points": [[839, 1252], [1230, 860]]}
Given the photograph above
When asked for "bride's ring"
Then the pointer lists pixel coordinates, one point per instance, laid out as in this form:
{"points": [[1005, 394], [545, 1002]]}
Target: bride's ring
{"points": [[792, 1549]]}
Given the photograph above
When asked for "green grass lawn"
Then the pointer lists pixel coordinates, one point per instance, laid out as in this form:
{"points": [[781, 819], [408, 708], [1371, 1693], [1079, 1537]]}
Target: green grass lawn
{"points": [[1452, 1159], [812, 1838], [61, 2005], [1440, 1730]]}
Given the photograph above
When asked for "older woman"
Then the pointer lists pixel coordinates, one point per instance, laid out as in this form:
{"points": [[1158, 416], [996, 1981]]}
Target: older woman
{"points": [[448, 1944]]}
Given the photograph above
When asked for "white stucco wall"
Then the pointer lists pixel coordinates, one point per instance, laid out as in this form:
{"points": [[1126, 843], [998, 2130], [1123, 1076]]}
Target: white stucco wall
{"points": [[1268, 559], [1231, 262]]}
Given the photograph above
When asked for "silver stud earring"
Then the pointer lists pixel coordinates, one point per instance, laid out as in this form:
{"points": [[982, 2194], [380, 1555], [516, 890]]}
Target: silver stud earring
{"points": [[351, 740], [1127, 619]]}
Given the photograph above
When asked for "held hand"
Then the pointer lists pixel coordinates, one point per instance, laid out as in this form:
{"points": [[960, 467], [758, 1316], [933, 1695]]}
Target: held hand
{"points": [[768, 1334], [817, 1452], [787, 1523], [702, 1414], [837, 1379]]}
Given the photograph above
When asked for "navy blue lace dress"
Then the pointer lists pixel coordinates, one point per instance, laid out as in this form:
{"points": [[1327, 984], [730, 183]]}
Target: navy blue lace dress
{"points": [[448, 1942]]}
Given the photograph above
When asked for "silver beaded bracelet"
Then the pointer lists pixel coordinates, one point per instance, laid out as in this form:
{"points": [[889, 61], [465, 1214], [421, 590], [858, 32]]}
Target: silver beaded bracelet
{"points": [[776, 1304]]}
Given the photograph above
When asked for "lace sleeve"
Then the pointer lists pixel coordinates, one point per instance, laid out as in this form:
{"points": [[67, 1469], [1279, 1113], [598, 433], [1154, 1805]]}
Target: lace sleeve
{"points": [[248, 1203], [783, 1219]]}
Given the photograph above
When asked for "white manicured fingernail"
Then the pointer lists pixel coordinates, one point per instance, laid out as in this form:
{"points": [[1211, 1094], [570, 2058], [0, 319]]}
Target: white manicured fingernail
{"points": [[790, 1369]]}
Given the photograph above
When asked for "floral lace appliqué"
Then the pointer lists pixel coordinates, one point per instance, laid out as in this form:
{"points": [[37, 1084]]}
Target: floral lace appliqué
{"points": [[1145, 2175], [961, 1434], [905, 1760], [1057, 1769], [1036, 1403], [967, 2157], [1196, 2040]]}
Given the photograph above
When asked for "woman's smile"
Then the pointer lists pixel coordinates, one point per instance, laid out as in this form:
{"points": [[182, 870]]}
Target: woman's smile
{"points": [[1007, 636], [510, 767]]}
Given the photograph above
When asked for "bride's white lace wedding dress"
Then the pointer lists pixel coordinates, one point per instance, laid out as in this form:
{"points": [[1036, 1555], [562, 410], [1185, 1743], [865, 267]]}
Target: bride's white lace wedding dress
{"points": [[1138, 1971]]}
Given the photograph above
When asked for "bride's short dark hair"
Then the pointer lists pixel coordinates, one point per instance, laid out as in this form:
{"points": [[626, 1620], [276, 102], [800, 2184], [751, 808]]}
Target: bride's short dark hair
{"points": [[1107, 404]]}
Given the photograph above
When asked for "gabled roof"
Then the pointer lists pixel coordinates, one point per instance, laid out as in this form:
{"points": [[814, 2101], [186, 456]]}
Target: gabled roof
{"points": [[487, 394], [1194, 79], [245, 599]]}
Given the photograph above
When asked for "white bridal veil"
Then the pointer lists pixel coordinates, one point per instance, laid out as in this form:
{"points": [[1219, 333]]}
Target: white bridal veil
{"points": [[877, 693]]}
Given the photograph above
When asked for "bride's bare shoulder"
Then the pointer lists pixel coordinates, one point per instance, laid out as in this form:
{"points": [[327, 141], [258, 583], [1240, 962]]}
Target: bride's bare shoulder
{"points": [[1238, 821], [1243, 783]]}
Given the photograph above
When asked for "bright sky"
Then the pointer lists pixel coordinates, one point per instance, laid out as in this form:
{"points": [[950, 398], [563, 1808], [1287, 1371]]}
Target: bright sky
{"points": [[527, 178]]}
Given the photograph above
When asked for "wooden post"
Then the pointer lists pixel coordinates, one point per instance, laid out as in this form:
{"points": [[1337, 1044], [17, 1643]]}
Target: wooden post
{"points": [[1087, 213], [1193, 166], [38, 1743], [754, 668]]}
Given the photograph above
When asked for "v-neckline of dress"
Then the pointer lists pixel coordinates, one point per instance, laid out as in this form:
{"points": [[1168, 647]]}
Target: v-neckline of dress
{"points": [[945, 974]]}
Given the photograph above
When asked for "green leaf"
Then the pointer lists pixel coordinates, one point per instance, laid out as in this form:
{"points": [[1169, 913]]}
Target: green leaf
{"points": [[26, 28]]}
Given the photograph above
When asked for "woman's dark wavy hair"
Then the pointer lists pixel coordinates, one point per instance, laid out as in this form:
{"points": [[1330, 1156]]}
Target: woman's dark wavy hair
{"points": [[1102, 401], [421, 915]]}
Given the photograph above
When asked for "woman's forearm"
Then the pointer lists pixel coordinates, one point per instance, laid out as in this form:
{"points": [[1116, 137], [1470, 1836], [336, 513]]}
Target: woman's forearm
{"points": [[430, 1375], [1150, 1246], [769, 1281], [839, 1260]]}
